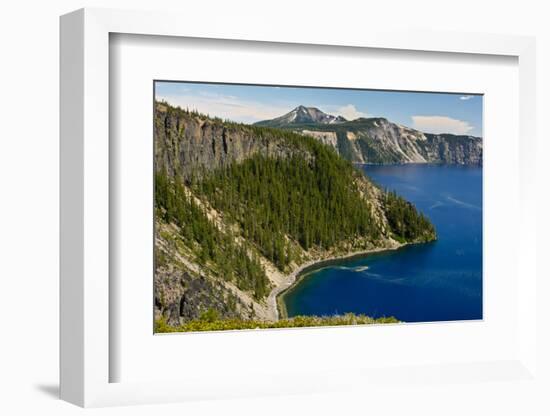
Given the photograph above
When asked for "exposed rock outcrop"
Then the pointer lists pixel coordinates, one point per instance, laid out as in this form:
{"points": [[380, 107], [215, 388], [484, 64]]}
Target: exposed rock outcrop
{"points": [[378, 140], [186, 142]]}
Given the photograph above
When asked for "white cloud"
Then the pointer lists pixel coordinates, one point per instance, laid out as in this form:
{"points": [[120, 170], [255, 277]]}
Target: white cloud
{"points": [[349, 111], [226, 106], [466, 97], [441, 124]]}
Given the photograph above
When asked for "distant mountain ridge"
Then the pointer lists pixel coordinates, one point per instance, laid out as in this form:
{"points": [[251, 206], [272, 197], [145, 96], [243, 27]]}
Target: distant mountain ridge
{"points": [[378, 140]]}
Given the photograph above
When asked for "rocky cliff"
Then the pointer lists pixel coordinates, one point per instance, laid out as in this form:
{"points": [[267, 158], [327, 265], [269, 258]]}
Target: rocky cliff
{"points": [[187, 142], [377, 140], [449, 148]]}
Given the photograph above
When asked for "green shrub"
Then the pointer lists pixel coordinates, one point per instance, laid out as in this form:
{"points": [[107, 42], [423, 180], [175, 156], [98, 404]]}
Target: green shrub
{"points": [[210, 322]]}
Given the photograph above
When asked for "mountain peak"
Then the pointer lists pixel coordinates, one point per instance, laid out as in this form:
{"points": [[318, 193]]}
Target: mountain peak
{"points": [[303, 115]]}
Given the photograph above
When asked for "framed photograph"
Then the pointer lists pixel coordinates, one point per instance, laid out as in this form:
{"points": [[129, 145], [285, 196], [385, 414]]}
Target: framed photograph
{"points": [[284, 213], [310, 218]]}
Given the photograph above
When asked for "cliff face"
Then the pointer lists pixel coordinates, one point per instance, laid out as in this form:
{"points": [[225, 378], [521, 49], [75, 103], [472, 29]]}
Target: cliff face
{"points": [[377, 140], [186, 143], [181, 295], [381, 141], [448, 148]]}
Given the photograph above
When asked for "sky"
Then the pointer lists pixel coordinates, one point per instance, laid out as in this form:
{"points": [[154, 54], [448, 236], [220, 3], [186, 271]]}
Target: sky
{"points": [[424, 111]]}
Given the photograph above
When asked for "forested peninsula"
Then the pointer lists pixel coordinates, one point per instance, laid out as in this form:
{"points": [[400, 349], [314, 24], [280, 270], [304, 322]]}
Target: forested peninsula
{"points": [[240, 209]]}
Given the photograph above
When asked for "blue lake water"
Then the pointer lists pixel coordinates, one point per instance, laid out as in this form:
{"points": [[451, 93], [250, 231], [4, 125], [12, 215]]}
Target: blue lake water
{"points": [[438, 281]]}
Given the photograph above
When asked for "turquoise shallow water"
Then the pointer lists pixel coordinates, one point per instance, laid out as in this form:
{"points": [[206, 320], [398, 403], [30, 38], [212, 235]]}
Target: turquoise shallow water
{"points": [[438, 281]]}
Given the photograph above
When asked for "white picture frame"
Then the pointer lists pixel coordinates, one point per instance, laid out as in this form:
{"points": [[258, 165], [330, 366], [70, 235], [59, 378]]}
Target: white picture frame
{"points": [[85, 354]]}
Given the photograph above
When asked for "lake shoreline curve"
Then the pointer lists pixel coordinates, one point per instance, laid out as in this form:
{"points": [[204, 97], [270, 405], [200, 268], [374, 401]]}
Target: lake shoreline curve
{"points": [[276, 297]]}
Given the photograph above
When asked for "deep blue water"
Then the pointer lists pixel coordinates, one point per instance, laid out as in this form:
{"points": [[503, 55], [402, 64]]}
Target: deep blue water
{"points": [[438, 281]]}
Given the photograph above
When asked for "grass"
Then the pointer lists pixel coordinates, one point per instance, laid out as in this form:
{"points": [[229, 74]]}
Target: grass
{"points": [[206, 324]]}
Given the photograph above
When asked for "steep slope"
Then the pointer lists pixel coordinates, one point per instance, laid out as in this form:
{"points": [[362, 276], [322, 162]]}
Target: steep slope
{"points": [[187, 143], [377, 140], [239, 208]]}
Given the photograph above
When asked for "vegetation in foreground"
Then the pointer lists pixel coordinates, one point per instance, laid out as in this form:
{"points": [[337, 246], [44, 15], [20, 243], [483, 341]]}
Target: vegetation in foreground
{"points": [[210, 321]]}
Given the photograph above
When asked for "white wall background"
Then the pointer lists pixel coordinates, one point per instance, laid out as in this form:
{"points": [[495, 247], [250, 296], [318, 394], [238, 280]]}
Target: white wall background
{"points": [[29, 205]]}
